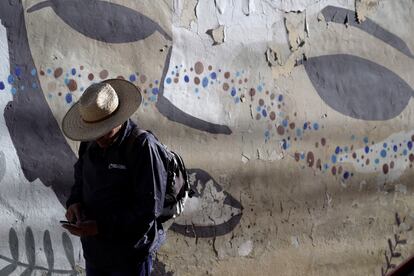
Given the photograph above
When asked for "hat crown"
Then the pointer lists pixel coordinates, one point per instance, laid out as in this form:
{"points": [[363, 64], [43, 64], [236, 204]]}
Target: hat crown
{"points": [[98, 102]]}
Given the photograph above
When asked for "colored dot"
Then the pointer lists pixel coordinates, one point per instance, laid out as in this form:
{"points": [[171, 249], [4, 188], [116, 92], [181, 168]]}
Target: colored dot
{"points": [[49, 71], [383, 153], [73, 71], [132, 78], [264, 113], [395, 148], [280, 98], [186, 78], [366, 149], [315, 126], [384, 145], [213, 75], [156, 81], [68, 98], [168, 80], [305, 125], [298, 132], [33, 72], [205, 83], [410, 145], [405, 152], [2, 85], [155, 90], [376, 161], [366, 140], [10, 79], [346, 175], [14, 90], [333, 158], [34, 85], [337, 150], [285, 122], [17, 71], [260, 88], [233, 92]]}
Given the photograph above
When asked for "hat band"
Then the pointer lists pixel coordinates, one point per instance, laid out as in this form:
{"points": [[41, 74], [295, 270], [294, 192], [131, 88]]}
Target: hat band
{"points": [[102, 119]]}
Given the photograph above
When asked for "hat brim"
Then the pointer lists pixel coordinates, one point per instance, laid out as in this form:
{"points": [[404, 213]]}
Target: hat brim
{"points": [[75, 128]]}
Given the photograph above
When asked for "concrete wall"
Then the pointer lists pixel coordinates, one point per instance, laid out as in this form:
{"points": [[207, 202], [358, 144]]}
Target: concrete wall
{"points": [[294, 117]]}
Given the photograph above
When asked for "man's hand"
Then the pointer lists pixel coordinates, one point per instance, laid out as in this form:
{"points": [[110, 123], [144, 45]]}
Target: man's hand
{"points": [[82, 229], [74, 213]]}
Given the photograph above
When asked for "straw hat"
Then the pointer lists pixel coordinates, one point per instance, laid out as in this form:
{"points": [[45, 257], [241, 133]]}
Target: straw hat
{"points": [[102, 107]]}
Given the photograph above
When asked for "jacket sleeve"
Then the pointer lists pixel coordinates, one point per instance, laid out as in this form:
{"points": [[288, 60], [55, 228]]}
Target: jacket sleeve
{"points": [[76, 191], [148, 190]]}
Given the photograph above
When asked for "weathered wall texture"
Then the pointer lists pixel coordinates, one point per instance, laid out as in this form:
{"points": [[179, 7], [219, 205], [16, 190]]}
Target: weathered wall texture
{"points": [[294, 117]]}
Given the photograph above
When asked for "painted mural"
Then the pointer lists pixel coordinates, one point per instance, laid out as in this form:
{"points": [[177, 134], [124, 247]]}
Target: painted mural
{"points": [[294, 118]]}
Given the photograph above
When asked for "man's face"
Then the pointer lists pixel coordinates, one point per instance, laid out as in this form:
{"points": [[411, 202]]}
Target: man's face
{"points": [[107, 139]]}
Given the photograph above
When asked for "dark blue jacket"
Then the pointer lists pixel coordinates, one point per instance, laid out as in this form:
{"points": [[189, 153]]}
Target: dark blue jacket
{"points": [[124, 199]]}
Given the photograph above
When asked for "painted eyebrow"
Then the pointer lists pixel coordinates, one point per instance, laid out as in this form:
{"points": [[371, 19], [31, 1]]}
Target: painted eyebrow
{"points": [[341, 15]]}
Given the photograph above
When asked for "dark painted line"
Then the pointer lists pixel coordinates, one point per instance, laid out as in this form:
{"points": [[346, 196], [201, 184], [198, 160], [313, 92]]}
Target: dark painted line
{"points": [[341, 16]]}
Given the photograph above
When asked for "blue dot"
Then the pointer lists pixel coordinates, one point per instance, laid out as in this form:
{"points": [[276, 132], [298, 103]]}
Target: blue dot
{"points": [[405, 152], [33, 72], [333, 158], [66, 81], [346, 175], [168, 80], [410, 145], [17, 71], [267, 133], [14, 90], [205, 83], [68, 98], [285, 122], [156, 81], [366, 149], [2, 85], [376, 161], [237, 74], [10, 79], [196, 90], [384, 145], [34, 85], [73, 71], [302, 156], [315, 126], [260, 88], [366, 140], [298, 132], [264, 113], [280, 98], [337, 150], [258, 109], [305, 125], [132, 78], [233, 91], [155, 90], [172, 73], [352, 137], [346, 148], [383, 153], [285, 144], [186, 78], [395, 148], [49, 71], [213, 75]]}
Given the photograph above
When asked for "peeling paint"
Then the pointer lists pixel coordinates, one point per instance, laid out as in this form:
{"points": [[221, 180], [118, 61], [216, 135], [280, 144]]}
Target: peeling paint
{"points": [[364, 7], [217, 35]]}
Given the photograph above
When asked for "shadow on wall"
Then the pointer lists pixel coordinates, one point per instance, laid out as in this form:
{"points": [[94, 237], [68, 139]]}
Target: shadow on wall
{"points": [[30, 246]]}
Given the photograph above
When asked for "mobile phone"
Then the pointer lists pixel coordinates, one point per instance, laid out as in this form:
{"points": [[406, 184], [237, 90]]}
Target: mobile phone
{"points": [[67, 222]]}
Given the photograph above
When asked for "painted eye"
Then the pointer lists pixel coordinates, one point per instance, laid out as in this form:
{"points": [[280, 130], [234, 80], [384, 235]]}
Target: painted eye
{"points": [[210, 212], [103, 21], [357, 87]]}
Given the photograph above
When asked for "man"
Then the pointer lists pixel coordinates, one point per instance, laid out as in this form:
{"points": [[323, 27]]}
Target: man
{"points": [[114, 205]]}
